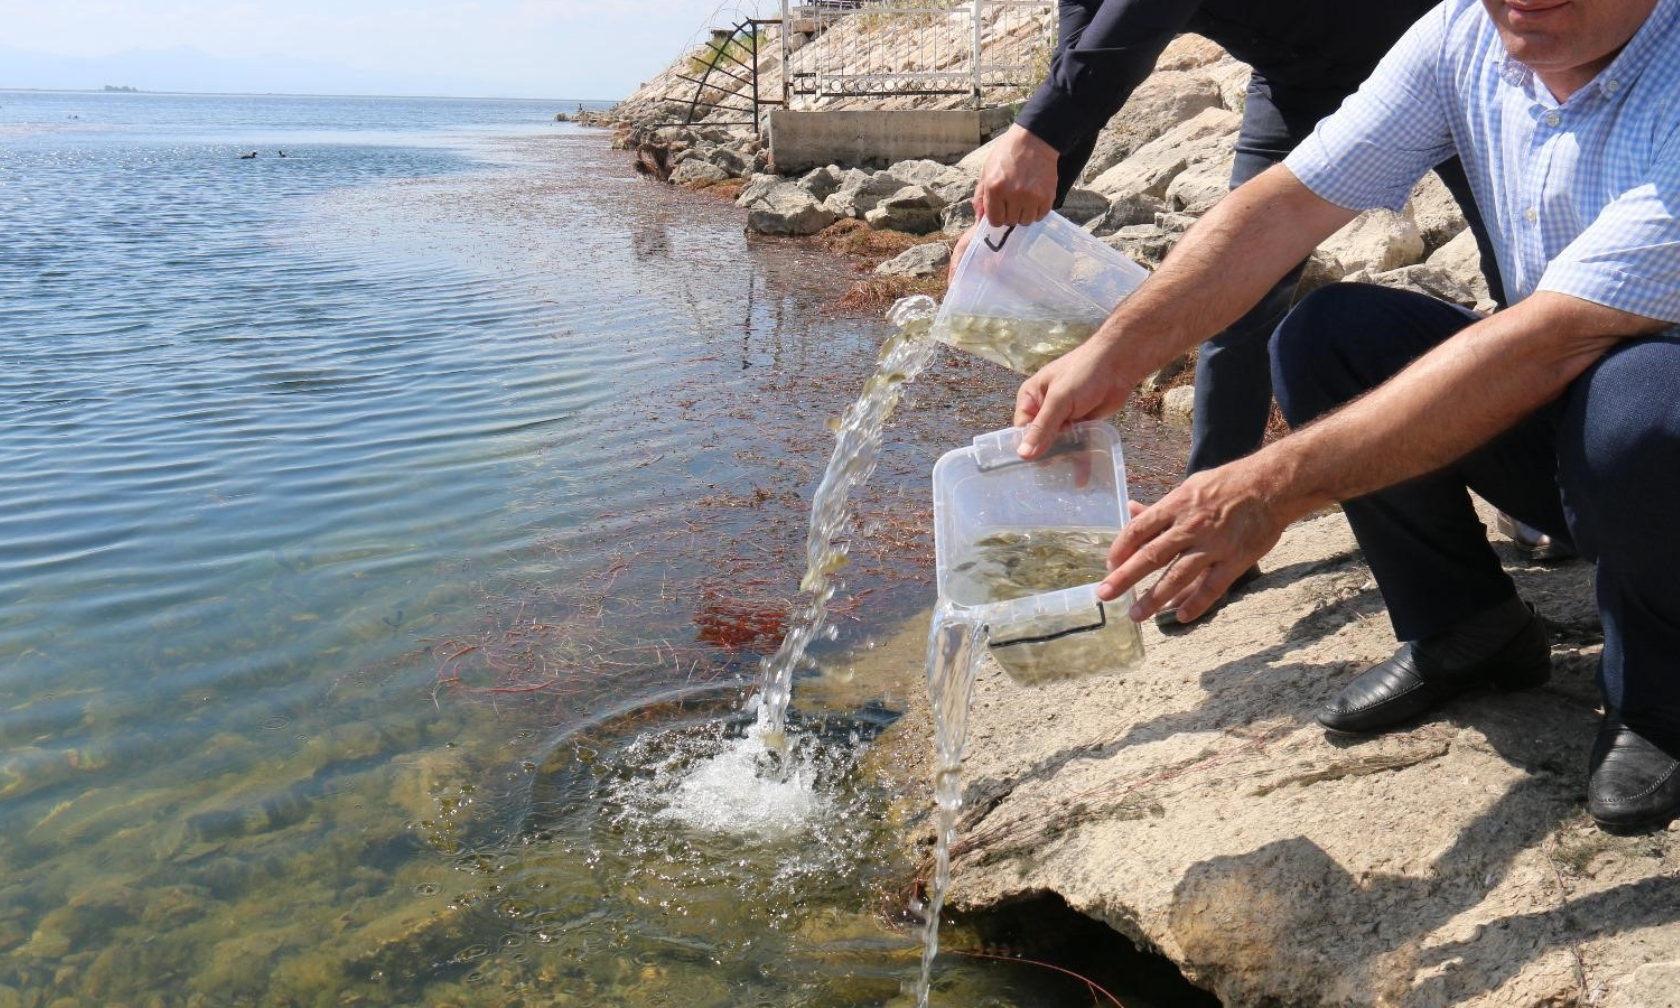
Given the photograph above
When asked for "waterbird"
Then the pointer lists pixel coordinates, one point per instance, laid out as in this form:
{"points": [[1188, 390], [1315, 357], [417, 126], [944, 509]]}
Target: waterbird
{"points": [[247, 157]]}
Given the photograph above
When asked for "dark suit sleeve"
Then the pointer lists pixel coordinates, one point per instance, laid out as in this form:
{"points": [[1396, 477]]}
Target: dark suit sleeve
{"points": [[1104, 50]]}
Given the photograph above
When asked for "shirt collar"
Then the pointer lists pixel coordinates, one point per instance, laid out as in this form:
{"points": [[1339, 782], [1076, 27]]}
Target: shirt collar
{"points": [[1614, 79]]}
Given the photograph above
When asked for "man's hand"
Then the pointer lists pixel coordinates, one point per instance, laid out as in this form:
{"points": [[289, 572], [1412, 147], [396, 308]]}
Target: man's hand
{"points": [[1214, 526], [1018, 183], [1083, 384]]}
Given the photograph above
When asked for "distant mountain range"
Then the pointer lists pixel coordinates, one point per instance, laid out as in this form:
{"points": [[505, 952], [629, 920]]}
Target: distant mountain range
{"points": [[187, 69]]}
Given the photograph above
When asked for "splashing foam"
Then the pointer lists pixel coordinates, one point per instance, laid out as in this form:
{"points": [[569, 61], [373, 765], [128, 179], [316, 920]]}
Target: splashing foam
{"points": [[746, 789]]}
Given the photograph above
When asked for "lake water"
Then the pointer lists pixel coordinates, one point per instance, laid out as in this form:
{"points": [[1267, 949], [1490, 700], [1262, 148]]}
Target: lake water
{"points": [[390, 533]]}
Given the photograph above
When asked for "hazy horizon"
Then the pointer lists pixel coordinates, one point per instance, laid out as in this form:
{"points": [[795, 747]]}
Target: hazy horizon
{"points": [[583, 50]]}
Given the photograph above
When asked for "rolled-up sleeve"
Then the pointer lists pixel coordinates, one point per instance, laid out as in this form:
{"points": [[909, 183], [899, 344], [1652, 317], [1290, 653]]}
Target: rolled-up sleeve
{"points": [[1397, 126], [1628, 258]]}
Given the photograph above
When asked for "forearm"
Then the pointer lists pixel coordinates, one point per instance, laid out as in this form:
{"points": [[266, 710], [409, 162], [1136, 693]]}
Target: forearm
{"points": [[1461, 395], [1218, 271]]}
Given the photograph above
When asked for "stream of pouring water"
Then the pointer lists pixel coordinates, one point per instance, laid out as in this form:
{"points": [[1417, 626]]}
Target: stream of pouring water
{"points": [[955, 644], [857, 446]]}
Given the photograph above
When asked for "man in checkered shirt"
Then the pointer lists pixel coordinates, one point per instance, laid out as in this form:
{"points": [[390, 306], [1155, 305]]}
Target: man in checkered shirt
{"points": [[1560, 410]]}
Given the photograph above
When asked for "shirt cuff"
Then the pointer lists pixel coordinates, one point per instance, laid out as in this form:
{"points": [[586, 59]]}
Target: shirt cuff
{"points": [[1652, 297]]}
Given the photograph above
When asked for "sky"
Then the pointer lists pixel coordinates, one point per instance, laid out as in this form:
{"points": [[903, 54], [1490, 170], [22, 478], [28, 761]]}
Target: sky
{"points": [[582, 49]]}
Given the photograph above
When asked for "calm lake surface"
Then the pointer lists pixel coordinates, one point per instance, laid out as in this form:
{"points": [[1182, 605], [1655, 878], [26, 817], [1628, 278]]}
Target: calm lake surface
{"points": [[390, 533]]}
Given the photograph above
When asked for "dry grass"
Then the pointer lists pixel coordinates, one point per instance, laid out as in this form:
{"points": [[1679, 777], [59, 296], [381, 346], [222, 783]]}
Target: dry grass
{"points": [[853, 237], [879, 292]]}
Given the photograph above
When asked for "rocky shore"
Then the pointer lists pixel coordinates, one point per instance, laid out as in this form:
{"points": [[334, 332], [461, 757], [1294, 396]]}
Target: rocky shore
{"points": [[1195, 807]]}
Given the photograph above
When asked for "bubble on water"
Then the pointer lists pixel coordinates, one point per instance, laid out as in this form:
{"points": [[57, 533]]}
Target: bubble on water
{"points": [[739, 790]]}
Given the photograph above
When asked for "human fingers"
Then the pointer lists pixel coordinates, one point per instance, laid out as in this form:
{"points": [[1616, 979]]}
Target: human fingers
{"points": [[1046, 414], [1145, 545]]}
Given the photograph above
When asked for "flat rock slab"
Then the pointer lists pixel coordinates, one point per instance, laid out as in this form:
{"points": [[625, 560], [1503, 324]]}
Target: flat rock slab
{"points": [[1196, 807]]}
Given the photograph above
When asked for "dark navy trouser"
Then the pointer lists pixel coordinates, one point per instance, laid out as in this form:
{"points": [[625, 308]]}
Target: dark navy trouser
{"points": [[1600, 465], [1233, 372]]}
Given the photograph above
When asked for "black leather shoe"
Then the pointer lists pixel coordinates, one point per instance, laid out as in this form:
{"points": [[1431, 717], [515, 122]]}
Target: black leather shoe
{"points": [[1411, 684], [1634, 784], [1167, 619]]}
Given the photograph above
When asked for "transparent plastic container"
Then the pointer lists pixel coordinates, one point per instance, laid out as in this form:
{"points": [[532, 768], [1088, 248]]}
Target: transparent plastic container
{"points": [[1020, 547], [1023, 296]]}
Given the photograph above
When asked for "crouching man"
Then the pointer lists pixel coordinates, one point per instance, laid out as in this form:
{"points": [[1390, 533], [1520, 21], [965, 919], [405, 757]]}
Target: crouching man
{"points": [[1562, 410]]}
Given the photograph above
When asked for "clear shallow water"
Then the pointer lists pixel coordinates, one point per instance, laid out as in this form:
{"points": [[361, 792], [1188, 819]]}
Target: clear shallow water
{"points": [[357, 507]]}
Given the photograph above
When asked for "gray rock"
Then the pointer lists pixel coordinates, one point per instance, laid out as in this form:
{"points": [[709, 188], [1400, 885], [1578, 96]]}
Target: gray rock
{"points": [[1202, 183], [918, 261], [1178, 405], [1158, 162], [1177, 223], [1161, 102], [1437, 214], [1144, 243], [958, 217], [730, 161], [1377, 241], [1083, 205], [697, 173], [821, 182], [954, 185], [757, 187], [859, 191], [921, 172], [789, 209], [1124, 211], [912, 209]]}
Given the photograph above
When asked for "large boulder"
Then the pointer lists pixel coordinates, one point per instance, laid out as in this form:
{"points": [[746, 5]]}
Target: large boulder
{"points": [[697, 173], [1436, 213], [758, 186], [1376, 240], [912, 209], [859, 191], [918, 261], [1195, 807], [1202, 184], [1082, 205], [788, 209], [1147, 244], [1161, 102], [1124, 211], [822, 182], [921, 172], [1157, 163]]}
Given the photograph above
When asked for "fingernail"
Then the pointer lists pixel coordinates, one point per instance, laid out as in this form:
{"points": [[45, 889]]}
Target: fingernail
{"points": [[1136, 613]]}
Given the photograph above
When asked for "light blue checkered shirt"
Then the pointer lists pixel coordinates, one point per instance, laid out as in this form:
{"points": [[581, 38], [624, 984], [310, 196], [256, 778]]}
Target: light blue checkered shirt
{"points": [[1581, 198]]}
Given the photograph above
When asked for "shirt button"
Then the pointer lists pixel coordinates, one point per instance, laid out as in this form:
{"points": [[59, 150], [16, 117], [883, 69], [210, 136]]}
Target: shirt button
{"points": [[1612, 86], [1531, 215], [1552, 119]]}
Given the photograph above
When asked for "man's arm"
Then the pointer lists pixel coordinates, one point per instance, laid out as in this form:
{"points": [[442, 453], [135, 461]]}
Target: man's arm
{"points": [[1105, 49], [1215, 273], [1459, 396]]}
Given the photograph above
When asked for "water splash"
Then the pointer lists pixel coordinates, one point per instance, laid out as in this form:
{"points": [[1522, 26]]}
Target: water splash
{"points": [[857, 446]]}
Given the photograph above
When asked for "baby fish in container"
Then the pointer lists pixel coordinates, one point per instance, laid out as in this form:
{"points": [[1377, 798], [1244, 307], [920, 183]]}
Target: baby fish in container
{"points": [[1021, 545], [1024, 296]]}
